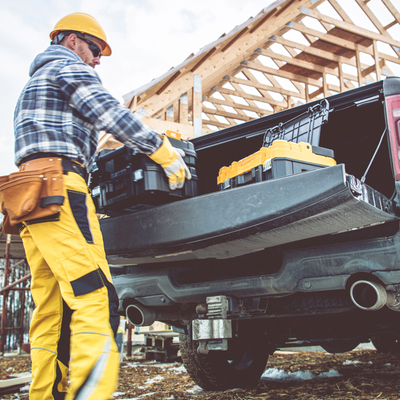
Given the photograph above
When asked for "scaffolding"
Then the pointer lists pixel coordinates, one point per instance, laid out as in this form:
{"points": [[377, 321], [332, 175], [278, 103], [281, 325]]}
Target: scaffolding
{"points": [[16, 302]]}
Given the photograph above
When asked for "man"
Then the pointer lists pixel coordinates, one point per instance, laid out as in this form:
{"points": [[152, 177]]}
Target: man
{"points": [[57, 119]]}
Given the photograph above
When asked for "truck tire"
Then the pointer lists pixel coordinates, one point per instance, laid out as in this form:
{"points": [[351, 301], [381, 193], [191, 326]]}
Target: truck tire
{"points": [[340, 346], [239, 367], [387, 343]]}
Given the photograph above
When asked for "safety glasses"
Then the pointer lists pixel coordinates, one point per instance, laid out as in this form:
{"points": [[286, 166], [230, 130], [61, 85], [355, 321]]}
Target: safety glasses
{"points": [[96, 51]]}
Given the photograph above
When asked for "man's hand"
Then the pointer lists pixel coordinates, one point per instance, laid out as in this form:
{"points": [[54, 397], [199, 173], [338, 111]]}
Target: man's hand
{"points": [[170, 158]]}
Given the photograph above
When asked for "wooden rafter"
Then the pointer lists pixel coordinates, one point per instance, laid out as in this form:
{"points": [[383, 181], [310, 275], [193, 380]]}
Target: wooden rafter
{"points": [[337, 53]]}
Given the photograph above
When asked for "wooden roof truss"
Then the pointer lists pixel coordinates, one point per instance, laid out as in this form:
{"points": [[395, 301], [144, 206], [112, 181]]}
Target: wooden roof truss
{"points": [[290, 53]]}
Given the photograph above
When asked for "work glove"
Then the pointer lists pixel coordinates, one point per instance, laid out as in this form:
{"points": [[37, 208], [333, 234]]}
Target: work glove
{"points": [[170, 158]]}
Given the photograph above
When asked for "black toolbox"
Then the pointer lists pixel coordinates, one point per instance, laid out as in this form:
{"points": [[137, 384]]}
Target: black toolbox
{"points": [[288, 148], [124, 180]]}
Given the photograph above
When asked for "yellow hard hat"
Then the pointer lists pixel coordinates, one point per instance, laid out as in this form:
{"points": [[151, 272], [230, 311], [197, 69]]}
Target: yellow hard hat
{"points": [[83, 23]]}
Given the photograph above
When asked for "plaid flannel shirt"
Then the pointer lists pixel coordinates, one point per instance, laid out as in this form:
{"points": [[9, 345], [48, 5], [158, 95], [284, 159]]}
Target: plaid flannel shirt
{"points": [[64, 106]]}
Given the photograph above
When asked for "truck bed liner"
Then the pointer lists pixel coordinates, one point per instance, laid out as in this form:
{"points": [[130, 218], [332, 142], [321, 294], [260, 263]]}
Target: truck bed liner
{"points": [[243, 220]]}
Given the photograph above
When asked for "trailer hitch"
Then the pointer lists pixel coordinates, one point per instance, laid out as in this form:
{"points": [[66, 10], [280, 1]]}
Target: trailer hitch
{"points": [[213, 332]]}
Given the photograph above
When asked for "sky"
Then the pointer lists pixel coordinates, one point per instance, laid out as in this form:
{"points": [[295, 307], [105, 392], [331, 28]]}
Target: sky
{"points": [[147, 38]]}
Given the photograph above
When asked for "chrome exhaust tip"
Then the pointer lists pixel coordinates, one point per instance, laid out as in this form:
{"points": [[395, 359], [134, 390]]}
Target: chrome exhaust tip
{"points": [[140, 315], [368, 295]]}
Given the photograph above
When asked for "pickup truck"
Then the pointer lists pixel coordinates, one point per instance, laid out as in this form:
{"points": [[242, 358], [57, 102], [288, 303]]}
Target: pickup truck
{"points": [[311, 258]]}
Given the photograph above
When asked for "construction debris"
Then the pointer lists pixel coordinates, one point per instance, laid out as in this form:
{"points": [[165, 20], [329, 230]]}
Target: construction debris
{"points": [[365, 374]]}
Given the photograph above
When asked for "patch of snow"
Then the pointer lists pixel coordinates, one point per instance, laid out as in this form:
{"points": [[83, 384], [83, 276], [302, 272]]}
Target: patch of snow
{"points": [[178, 370], [351, 362], [156, 379], [115, 394], [276, 374], [194, 389], [25, 388]]}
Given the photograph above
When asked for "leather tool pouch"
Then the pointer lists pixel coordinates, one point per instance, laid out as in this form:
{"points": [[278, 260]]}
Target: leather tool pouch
{"points": [[32, 194]]}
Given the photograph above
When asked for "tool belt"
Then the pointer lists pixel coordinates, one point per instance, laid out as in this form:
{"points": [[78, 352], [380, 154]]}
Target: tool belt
{"points": [[35, 191]]}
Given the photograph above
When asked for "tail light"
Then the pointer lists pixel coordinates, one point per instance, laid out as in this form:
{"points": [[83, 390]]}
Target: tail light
{"points": [[393, 116]]}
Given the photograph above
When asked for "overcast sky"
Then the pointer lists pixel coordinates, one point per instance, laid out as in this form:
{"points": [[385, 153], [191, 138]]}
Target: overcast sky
{"points": [[147, 38]]}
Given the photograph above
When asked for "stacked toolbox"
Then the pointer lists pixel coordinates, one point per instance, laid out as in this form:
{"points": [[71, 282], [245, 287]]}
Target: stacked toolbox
{"points": [[126, 181], [288, 148], [280, 159]]}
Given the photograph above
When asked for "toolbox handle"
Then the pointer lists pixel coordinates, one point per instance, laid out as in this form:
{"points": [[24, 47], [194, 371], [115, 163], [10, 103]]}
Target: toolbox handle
{"points": [[278, 131]]}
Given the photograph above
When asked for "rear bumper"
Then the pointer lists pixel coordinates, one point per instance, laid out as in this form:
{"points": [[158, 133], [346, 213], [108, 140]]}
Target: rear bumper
{"points": [[313, 269]]}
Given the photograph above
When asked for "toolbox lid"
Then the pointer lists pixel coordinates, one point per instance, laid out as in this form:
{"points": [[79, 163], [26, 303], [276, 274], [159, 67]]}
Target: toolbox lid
{"points": [[323, 151]]}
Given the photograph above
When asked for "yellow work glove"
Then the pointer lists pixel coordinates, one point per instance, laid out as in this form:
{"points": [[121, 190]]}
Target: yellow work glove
{"points": [[170, 158]]}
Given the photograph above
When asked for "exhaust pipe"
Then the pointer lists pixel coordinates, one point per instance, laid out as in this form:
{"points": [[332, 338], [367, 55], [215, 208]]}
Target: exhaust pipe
{"points": [[373, 296], [144, 316]]}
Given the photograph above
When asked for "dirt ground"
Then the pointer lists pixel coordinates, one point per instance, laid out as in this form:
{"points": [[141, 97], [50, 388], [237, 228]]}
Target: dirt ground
{"points": [[365, 374]]}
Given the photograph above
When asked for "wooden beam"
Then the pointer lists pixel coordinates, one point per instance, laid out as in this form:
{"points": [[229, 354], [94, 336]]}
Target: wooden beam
{"points": [[231, 103], [133, 104], [169, 81], [204, 59], [215, 122], [365, 72], [226, 114], [315, 52], [181, 85], [267, 96], [392, 9], [260, 67], [347, 44], [275, 89], [372, 17], [330, 56], [359, 72], [245, 96], [377, 63], [393, 23], [299, 63], [325, 85], [183, 109], [197, 104], [224, 63], [108, 142], [240, 113], [263, 20], [316, 93], [354, 29], [341, 81], [340, 11], [159, 126], [237, 37]]}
